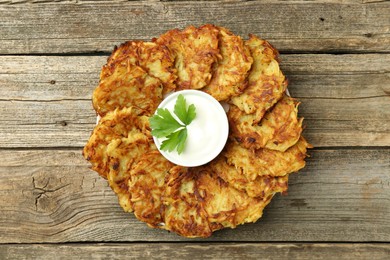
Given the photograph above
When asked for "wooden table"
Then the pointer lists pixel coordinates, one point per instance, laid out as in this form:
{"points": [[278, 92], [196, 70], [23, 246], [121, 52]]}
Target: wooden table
{"points": [[337, 57]]}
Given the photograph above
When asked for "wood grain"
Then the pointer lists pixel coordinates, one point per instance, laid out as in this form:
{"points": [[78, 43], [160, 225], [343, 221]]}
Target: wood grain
{"points": [[292, 26], [345, 102], [197, 251], [51, 196]]}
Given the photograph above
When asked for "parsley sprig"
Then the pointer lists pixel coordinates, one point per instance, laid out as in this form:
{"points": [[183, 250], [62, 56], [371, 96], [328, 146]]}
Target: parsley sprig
{"points": [[163, 124]]}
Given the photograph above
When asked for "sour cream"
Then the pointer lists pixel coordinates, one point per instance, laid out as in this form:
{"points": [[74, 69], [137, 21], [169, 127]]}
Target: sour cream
{"points": [[207, 133]]}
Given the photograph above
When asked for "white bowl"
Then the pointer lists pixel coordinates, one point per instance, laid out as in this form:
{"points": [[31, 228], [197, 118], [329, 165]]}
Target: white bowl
{"points": [[207, 133]]}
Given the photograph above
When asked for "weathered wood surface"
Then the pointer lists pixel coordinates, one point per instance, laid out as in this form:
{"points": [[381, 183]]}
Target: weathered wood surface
{"points": [[45, 101], [51, 196], [292, 26], [197, 251]]}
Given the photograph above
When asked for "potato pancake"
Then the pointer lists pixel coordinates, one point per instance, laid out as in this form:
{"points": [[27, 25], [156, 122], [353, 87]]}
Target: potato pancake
{"points": [[153, 58], [266, 82], [118, 140], [197, 202], [262, 186], [265, 161], [128, 85], [231, 69], [195, 50], [278, 130], [123, 154], [114, 125], [147, 184]]}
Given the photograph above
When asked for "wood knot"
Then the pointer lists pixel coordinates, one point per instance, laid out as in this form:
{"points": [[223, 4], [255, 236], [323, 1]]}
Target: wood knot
{"points": [[298, 203], [63, 123], [52, 82]]}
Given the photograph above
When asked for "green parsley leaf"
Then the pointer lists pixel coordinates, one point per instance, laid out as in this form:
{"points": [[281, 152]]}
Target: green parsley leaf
{"points": [[175, 140], [191, 114], [163, 124], [185, 115], [182, 140]]}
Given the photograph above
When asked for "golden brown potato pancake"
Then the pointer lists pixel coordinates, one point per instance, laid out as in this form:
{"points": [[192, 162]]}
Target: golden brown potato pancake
{"points": [[231, 69], [153, 58], [278, 130], [123, 154], [114, 125], [118, 140], [128, 85], [197, 201], [195, 50], [265, 161], [262, 186], [266, 82], [147, 184], [226, 205], [183, 212]]}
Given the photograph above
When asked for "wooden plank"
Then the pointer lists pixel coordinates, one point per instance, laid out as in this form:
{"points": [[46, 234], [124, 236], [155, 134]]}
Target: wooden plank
{"points": [[49, 78], [292, 26], [51, 196], [197, 251], [345, 98]]}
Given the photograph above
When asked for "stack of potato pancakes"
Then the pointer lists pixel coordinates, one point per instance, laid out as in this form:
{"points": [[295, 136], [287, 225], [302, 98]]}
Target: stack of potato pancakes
{"points": [[264, 146]]}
